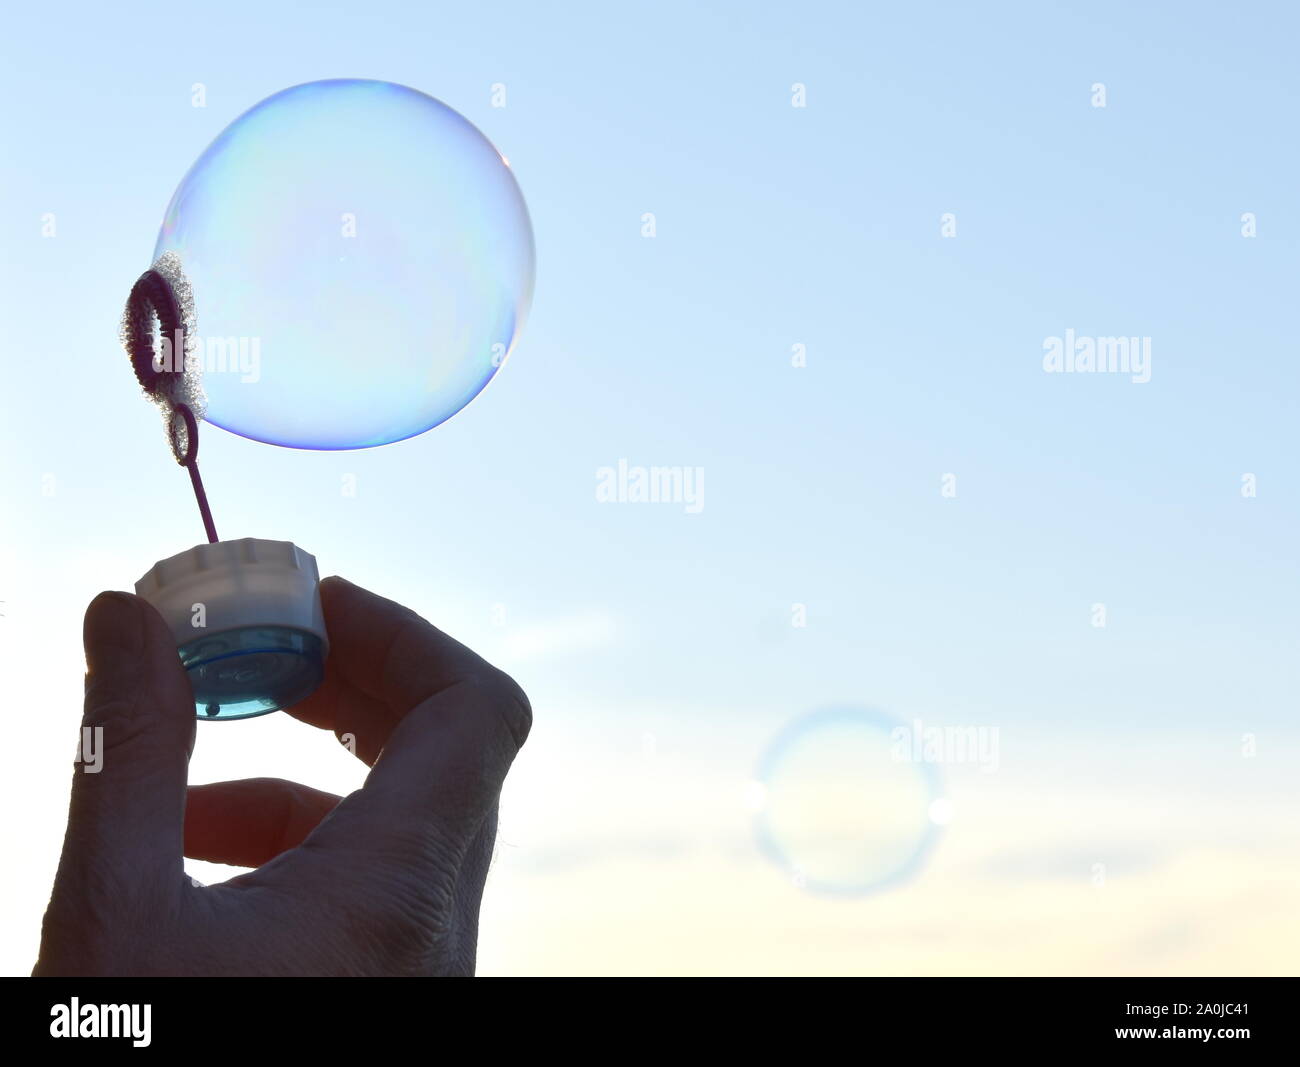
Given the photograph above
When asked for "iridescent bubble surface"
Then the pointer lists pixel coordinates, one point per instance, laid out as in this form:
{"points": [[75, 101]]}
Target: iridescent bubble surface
{"points": [[841, 805], [361, 260]]}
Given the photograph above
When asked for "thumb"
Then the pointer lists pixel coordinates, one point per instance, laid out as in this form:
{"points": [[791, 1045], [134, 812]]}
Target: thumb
{"points": [[128, 793]]}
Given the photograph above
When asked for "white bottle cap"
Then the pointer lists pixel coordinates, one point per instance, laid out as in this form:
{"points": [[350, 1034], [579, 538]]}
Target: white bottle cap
{"points": [[241, 583], [246, 616]]}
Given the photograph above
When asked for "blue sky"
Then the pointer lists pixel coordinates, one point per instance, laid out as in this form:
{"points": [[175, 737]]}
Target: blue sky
{"points": [[775, 226]]}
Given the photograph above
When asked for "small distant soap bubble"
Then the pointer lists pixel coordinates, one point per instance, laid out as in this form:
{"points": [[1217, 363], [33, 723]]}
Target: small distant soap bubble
{"points": [[841, 805], [361, 261]]}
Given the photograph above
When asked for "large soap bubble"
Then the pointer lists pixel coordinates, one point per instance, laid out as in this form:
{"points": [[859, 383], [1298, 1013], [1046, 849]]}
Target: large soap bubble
{"points": [[361, 261], [842, 804]]}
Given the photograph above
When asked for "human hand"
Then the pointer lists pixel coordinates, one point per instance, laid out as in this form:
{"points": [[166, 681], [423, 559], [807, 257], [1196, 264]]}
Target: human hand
{"points": [[386, 881]]}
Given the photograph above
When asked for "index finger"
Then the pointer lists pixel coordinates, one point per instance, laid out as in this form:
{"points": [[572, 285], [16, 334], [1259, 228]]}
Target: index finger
{"points": [[384, 661], [447, 722]]}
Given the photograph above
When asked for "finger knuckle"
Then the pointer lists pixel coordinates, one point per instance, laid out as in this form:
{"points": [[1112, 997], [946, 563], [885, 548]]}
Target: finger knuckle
{"points": [[118, 721], [511, 703]]}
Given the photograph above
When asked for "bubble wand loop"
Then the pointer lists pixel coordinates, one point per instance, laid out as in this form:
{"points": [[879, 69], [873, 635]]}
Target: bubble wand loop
{"points": [[168, 381]]}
